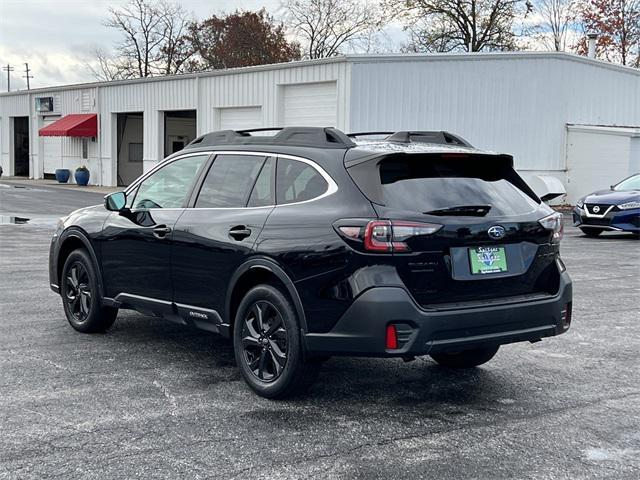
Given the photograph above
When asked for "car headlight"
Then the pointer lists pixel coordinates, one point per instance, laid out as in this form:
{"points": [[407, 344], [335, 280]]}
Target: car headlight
{"points": [[554, 223], [629, 205], [580, 203]]}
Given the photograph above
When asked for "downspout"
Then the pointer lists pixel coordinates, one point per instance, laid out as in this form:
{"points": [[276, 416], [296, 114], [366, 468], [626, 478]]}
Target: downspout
{"points": [[99, 139]]}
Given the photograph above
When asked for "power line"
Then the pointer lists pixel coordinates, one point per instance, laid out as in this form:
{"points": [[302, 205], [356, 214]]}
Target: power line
{"points": [[8, 69], [27, 76]]}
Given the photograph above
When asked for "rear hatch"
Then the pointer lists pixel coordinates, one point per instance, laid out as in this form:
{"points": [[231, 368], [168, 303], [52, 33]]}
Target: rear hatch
{"points": [[487, 242]]}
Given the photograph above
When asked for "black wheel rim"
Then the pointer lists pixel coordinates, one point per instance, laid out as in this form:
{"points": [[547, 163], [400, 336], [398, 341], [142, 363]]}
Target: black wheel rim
{"points": [[78, 292], [264, 341]]}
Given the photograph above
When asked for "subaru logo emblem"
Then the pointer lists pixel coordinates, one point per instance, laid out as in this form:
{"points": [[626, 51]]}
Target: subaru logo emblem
{"points": [[496, 232], [596, 209]]}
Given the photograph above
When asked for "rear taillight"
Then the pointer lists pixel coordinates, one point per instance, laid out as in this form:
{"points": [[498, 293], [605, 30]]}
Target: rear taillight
{"points": [[378, 236], [384, 236], [554, 223]]}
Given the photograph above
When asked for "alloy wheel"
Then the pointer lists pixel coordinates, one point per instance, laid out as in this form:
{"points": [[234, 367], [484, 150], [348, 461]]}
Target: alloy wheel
{"points": [[264, 341], [78, 292]]}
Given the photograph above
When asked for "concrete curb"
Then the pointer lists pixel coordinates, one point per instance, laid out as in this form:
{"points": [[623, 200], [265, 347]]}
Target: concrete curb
{"points": [[54, 184]]}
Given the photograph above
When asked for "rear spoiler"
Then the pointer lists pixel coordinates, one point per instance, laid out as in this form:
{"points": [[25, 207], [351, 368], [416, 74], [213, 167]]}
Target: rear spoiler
{"points": [[366, 174]]}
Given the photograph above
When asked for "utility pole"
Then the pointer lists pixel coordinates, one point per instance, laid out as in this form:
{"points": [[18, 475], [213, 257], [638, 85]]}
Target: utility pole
{"points": [[27, 76], [8, 69]]}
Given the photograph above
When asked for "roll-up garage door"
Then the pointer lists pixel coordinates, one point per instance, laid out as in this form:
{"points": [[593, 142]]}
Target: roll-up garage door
{"points": [[310, 104], [587, 149], [51, 149], [240, 118]]}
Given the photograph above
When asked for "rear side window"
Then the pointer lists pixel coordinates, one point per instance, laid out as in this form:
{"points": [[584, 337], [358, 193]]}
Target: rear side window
{"points": [[229, 181], [297, 181], [469, 186], [262, 193]]}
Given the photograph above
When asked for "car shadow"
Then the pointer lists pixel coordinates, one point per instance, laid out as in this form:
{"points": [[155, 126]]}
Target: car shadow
{"points": [[613, 236], [207, 358]]}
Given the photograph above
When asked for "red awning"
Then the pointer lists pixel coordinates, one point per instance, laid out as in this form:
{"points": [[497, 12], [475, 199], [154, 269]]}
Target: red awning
{"points": [[74, 125]]}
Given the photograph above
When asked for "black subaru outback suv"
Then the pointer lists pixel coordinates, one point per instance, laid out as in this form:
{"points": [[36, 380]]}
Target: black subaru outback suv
{"points": [[311, 243]]}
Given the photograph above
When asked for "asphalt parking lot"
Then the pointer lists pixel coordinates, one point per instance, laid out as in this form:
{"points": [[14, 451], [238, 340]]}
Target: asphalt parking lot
{"points": [[150, 398]]}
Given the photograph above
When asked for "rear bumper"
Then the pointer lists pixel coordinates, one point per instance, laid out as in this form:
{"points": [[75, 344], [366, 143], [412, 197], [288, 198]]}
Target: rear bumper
{"points": [[618, 220], [361, 330]]}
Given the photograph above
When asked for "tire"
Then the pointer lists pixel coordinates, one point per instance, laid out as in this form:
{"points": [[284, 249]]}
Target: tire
{"points": [[591, 232], [466, 358], [267, 344], [80, 295]]}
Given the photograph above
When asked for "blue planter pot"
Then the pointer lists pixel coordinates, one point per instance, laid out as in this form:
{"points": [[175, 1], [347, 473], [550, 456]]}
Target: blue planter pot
{"points": [[82, 177], [62, 175]]}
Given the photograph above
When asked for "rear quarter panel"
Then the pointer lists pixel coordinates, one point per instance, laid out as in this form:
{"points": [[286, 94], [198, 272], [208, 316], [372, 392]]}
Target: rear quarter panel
{"points": [[302, 240]]}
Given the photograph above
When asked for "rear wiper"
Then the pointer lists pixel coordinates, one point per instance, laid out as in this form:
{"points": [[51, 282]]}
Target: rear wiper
{"points": [[463, 211]]}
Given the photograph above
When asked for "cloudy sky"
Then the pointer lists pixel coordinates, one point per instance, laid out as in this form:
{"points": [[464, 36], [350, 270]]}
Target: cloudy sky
{"points": [[57, 37]]}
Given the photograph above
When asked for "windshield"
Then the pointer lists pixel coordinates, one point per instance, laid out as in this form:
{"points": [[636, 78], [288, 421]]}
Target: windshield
{"points": [[631, 183]]}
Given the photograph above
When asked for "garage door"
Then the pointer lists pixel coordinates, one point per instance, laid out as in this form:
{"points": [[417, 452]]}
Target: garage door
{"points": [[240, 118], [310, 105], [51, 149], [596, 158]]}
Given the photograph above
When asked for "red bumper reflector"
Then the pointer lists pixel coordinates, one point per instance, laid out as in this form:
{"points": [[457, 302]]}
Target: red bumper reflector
{"points": [[391, 342], [565, 315]]}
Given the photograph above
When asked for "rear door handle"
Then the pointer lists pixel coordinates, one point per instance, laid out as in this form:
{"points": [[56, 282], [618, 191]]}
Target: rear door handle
{"points": [[161, 231], [240, 232]]}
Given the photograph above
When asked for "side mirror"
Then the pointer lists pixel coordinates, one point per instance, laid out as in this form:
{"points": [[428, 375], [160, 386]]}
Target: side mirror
{"points": [[115, 201]]}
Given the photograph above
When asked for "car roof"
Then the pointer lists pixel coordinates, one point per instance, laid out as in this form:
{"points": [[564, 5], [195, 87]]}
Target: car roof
{"points": [[322, 142]]}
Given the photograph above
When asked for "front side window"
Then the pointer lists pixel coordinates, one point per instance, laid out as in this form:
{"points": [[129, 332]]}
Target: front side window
{"points": [[169, 186], [297, 181], [229, 181]]}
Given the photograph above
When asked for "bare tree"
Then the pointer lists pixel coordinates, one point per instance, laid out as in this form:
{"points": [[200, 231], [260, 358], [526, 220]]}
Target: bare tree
{"points": [[151, 40], [103, 67], [174, 53], [142, 27], [555, 18], [454, 25], [328, 27]]}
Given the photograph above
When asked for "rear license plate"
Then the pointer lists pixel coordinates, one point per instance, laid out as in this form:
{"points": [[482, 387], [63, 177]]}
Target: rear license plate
{"points": [[487, 260]]}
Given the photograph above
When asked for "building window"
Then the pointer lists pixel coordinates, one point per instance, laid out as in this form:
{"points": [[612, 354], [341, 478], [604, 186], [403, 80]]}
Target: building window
{"points": [[85, 148], [135, 152]]}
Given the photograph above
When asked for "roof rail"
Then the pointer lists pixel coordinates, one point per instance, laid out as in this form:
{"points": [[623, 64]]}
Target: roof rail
{"points": [[368, 134], [261, 129], [439, 137], [290, 136]]}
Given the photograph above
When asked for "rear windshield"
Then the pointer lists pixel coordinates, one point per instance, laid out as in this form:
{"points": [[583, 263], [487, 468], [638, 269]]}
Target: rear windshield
{"points": [[470, 186], [430, 195]]}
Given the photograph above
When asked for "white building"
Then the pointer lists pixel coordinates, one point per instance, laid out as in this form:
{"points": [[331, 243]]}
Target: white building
{"points": [[562, 115]]}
